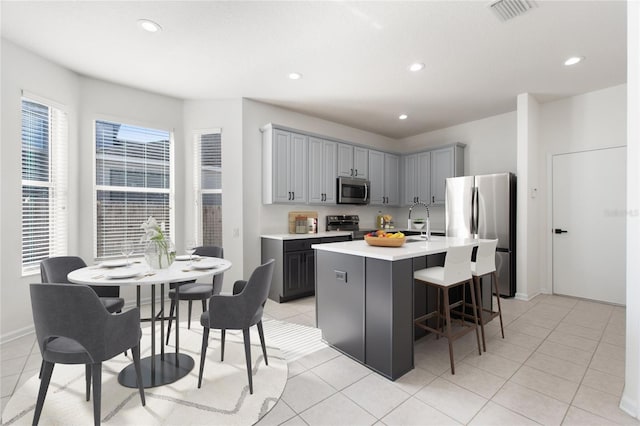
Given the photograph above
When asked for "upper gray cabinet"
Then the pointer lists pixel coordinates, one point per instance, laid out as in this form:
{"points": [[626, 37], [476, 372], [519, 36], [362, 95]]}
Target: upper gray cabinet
{"points": [[445, 163], [353, 161], [285, 176], [425, 173], [417, 178], [322, 171], [384, 177]]}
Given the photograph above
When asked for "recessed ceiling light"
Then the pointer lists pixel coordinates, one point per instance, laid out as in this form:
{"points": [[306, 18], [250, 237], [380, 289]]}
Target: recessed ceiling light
{"points": [[403, 117], [573, 60], [295, 76], [149, 26], [416, 67]]}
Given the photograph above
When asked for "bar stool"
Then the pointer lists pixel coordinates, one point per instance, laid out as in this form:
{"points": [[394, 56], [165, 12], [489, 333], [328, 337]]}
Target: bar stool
{"points": [[485, 264], [455, 273]]}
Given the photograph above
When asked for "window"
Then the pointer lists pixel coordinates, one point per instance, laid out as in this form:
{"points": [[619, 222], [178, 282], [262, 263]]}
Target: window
{"points": [[208, 182], [44, 183], [134, 174]]}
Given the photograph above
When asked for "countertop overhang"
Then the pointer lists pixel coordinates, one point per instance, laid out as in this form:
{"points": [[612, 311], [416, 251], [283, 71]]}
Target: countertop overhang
{"points": [[409, 250]]}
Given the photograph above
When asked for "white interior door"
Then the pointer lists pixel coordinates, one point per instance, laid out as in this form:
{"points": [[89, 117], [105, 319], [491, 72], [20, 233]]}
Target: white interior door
{"points": [[589, 220]]}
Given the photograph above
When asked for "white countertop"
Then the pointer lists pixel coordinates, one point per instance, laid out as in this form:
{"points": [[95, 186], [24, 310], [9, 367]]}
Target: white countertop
{"points": [[305, 236], [408, 250]]}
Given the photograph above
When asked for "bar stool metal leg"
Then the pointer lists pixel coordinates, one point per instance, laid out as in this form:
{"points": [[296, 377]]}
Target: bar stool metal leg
{"points": [[475, 314], [494, 277]]}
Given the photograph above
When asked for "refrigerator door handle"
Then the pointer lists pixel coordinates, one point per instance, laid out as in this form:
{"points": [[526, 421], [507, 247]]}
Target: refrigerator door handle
{"points": [[475, 210]]}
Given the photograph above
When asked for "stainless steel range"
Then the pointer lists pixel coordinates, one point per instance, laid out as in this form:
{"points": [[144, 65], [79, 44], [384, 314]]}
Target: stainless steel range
{"points": [[346, 222]]}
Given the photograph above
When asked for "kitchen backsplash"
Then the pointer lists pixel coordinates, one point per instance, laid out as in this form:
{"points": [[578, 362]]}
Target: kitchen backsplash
{"points": [[274, 217]]}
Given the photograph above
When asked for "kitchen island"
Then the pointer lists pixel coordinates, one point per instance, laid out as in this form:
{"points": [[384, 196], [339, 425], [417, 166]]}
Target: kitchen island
{"points": [[366, 300]]}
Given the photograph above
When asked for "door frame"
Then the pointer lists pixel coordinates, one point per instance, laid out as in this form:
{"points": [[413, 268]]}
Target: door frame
{"points": [[549, 287]]}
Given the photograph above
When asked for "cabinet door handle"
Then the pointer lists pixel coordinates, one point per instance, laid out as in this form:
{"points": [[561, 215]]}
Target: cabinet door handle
{"points": [[433, 198], [356, 172], [293, 195], [289, 196], [351, 172]]}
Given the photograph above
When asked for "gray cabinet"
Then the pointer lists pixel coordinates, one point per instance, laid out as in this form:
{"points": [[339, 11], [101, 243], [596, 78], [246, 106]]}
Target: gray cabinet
{"points": [[294, 273], [383, 175], [417, 178], [353, 161], [445, 163], [322, 171], [284, 167], [340, 302], [425, 173]]}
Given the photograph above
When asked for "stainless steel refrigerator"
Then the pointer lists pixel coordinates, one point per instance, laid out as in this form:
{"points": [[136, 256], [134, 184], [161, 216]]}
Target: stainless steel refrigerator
{"points": [[485, 207]]}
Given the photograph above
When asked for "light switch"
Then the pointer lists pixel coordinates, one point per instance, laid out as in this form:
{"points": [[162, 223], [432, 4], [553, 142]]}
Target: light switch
{"points": [[341, 275]]}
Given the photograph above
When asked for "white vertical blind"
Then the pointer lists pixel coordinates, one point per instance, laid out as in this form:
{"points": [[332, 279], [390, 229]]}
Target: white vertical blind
{"points": [[208, 186], [44, 183], [133, 182]]}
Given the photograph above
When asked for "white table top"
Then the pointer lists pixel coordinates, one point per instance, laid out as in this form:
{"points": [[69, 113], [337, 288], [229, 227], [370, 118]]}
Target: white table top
{"points": [[177, 272], [408, 250]]}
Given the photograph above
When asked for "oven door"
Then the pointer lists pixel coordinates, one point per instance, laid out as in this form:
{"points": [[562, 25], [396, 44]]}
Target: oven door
{"points": [[353, 191]]}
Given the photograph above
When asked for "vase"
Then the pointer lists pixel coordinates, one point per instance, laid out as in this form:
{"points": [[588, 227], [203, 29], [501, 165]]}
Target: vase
{"points": [[159, 254]]}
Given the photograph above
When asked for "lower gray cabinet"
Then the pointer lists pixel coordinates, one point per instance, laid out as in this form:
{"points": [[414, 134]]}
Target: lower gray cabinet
{"points": [[294, 273], [340, 301]]}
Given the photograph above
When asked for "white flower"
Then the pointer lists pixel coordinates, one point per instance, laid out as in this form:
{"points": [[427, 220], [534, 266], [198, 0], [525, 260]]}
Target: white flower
{"points": [[152, 231]]}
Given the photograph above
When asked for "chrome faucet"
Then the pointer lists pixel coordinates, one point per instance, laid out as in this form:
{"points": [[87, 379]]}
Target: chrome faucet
{"points": [[425, 232]]}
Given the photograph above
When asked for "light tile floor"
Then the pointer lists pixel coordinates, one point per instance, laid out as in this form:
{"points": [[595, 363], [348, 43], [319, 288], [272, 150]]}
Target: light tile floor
{"points": [[561, 362]]}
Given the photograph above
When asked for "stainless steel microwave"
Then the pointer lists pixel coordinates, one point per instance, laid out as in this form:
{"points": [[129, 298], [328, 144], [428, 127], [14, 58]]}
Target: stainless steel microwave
{"points": [[353, 190]]}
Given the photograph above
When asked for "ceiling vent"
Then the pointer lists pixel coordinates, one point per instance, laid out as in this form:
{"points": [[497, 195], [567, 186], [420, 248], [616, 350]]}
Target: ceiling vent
{"points": [[509, 9]]}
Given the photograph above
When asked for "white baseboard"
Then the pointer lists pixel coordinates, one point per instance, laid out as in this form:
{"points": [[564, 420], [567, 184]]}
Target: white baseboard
{"points": [[629, 406], [13, 335]]}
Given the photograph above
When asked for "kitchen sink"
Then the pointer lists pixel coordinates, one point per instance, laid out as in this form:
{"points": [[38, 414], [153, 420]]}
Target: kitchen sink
{"points": [[415, 240]]}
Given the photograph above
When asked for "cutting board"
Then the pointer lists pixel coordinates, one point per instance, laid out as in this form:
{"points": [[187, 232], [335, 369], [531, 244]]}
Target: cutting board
{"points": [[292, 219]]}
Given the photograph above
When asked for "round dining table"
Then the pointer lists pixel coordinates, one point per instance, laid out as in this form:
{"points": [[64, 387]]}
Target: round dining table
{"points": [[163, 368]]}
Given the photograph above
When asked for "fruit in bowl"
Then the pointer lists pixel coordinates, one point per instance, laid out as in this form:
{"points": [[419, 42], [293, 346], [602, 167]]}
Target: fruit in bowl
{"points": [[386, 239]]}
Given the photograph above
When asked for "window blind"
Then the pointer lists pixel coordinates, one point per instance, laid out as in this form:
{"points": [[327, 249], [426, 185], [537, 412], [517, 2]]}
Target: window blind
{"points": [[44, 183], [133, 182], [208, 186]]}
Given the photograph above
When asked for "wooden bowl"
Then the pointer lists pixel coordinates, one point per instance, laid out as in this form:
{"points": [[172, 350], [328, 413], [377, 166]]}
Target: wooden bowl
{"points": [[384, 242]]}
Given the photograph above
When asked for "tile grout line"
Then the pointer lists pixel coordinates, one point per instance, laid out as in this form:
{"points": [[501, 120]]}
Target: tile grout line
{"points": [[534, 351]]}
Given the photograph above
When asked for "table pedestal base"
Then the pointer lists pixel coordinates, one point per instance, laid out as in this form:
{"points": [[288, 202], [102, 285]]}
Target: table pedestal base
{"points": [[166, 371]]}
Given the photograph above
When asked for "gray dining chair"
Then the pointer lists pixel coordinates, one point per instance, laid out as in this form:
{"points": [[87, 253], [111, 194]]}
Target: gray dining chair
{"points": [[191, 290], [87, 334], [56, 269], [239, 312]]}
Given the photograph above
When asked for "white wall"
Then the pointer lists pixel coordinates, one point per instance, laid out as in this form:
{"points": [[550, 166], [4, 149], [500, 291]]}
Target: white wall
{"points": [[491, 143], [527, 242], [227, 116], [631, 395], [589, 121], [22, 70]]}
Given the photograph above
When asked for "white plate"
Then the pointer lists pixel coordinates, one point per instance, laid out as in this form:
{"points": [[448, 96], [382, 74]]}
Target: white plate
{"points": [[120, 273], [207, 263], [113, 263], [186, 257]]}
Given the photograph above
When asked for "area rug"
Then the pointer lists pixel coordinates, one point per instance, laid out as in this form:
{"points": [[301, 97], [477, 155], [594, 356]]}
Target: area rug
{"points": [[294, 340], [223, 399]]}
